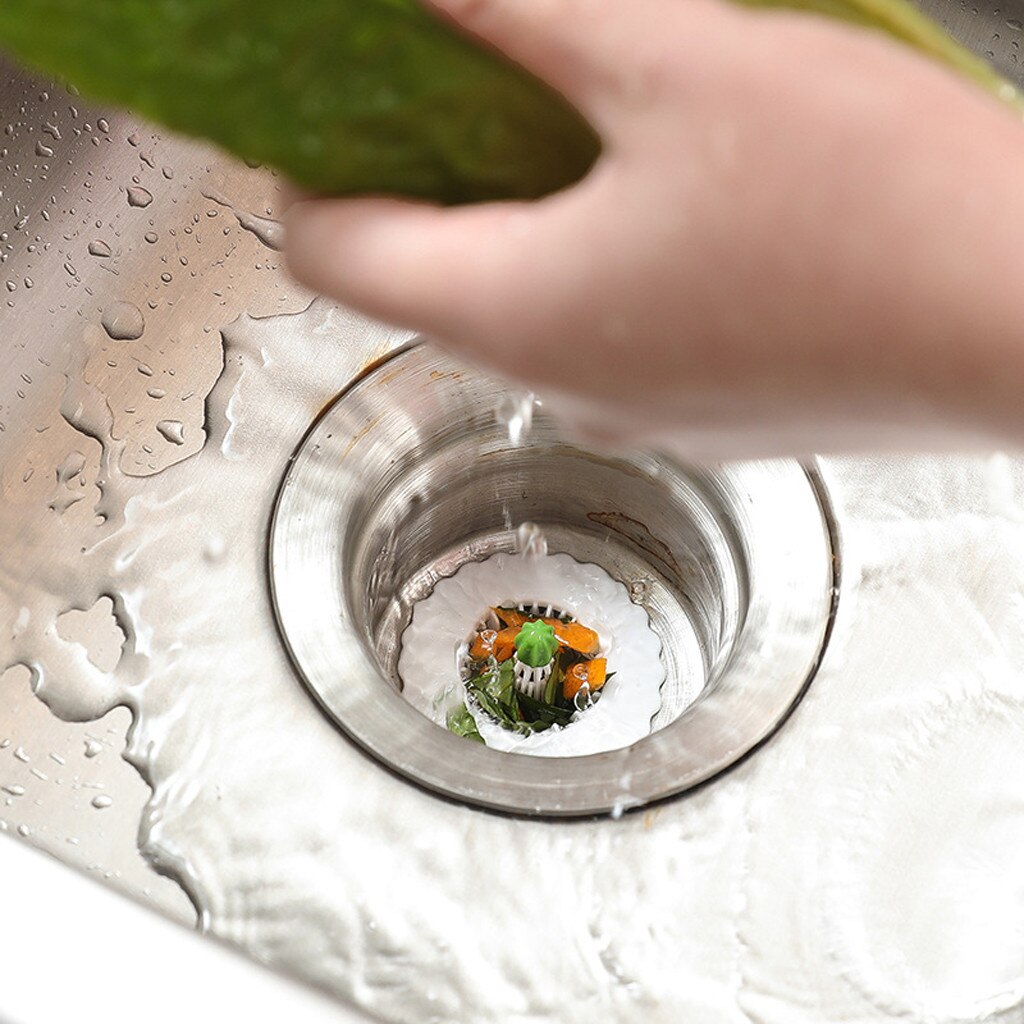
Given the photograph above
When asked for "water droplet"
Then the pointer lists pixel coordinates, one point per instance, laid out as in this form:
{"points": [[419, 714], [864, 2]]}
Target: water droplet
{"points": [[269, 232], [93, 748], [214, 549], [123, 321], [166, 277], [13, 790], [515, 411], [139, 197], [22, 755], [172, 430], [71, 467], [151, 237], [157, 393], [99, 248], [530, 541], [43, 150], [24, 831], [101, 802], [104, 125]]}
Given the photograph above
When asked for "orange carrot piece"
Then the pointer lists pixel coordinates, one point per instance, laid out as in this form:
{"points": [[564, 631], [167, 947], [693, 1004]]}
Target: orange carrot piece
{"points": [[482, 646], [574, 681], [575, 636], [597, 673], [505, 643], [585, 673], [569, 634], [511, 617]]}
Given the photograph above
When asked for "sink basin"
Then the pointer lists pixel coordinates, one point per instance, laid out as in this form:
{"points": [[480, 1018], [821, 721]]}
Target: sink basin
{"points": [[201, 709]]}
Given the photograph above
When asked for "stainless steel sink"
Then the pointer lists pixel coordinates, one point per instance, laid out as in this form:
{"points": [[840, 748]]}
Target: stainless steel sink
{"points": [[160, 371]]}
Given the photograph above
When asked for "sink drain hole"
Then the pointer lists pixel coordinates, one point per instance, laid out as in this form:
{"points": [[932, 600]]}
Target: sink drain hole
{"points": [[597, 687], [710, 590]]}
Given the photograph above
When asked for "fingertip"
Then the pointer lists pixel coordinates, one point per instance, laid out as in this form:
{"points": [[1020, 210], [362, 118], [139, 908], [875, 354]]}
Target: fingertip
{"points": [[445, 272], [308, 246], [404, 262], [335, 247], [292, 194]]}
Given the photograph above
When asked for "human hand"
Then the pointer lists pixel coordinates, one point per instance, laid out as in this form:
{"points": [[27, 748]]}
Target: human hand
{"points": [[800, 237]]}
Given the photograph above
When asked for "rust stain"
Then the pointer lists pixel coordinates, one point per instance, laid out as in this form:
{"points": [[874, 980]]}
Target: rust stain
{"points": [[359, 435], [636, 532], [384, 355]]}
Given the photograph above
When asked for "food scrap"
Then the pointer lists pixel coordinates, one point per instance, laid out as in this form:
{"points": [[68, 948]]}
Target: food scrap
{"points": [[530, 673]]}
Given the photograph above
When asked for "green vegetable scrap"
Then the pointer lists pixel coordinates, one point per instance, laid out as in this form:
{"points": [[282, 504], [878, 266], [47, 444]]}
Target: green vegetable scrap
{"points": [[497, 697], [357, 96], [462, 723], [343, 96]]}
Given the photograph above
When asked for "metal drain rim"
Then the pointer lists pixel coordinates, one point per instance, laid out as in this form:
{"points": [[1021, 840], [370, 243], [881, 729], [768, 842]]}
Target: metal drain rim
{"points": [[367, 709]]}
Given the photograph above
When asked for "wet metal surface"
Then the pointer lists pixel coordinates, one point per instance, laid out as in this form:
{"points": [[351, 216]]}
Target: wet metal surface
{"points": [[75, 252], [411, 474], [925, 678]]}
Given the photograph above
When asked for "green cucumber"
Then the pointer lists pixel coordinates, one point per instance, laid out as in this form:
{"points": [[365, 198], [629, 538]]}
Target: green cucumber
{"points": [[343, 96], [359, 96]]}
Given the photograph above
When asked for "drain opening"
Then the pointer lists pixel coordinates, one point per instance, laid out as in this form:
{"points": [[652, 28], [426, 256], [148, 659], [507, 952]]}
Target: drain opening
{"points": [[405, 492], [576, 671]]}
